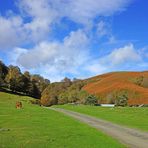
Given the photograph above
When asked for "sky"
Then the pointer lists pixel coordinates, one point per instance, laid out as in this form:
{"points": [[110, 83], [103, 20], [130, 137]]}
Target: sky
{"points": [[74, 38]]}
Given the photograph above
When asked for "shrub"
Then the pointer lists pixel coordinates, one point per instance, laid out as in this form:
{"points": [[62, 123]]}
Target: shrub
{"points": [[91, 100], [121, 100], [145, 83], [35, 101], [139, 80], [63, 98]]}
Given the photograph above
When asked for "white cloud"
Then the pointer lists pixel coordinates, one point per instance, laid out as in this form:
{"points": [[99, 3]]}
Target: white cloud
{"points": [[123, 55], [119, 59], [42, 16], [14, 55], [83, 11], [95, 68], [57, 58], [56, 52], [11, 31], [60, 57], [102, 29], [36, 19]]}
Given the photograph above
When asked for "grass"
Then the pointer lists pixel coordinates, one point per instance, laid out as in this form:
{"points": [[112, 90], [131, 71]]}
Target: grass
{"points": [[34, 126], [129, 116]]}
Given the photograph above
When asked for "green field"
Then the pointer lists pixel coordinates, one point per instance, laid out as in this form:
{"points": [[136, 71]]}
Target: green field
{"points": [[129, 116], [34, 126]]}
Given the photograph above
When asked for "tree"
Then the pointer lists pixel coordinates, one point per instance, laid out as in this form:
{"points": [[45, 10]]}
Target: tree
{"points": [[1, 81], [27, 82], [63, 98], [33, 90], [13, 78], [67, 82], [51, 94], [40, 82], [82, 95], [139, 80], [76, 80], [73, 96], [121, 100], [34, 84], [3, 73], [91, 100]]}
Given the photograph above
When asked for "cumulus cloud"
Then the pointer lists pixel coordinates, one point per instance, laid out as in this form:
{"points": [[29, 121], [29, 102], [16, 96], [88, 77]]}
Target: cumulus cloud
{"points": [[65, 56], [71, 54], [95, 67], [83, 11], [122, 55], [102, 29], [11, 32], [119, 59], [36, 18], [42, 16], [55, 60]]}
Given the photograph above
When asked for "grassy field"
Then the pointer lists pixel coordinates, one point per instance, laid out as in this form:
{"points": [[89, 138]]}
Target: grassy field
{"points": [[34, 126], [128, 116]]}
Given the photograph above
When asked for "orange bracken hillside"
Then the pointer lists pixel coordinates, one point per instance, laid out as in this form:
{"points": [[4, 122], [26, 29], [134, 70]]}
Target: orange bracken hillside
{"points": [[107, 86]]}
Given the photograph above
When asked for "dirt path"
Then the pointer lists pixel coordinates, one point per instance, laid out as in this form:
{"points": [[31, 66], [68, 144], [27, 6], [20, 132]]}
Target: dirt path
{"points": [[130, 137]]}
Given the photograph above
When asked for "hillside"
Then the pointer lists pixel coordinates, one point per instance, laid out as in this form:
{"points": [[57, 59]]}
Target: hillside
{"points": [[121, 88], [34, 126], [108, 86]]}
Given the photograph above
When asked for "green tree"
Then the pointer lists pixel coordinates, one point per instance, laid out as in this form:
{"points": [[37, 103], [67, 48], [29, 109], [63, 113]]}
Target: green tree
{"points": [[14, 78], [63, 98], [91, 100], [40, 82], [73, 96], [51, 94], [82, 95], [121, 100], [31, 85], [67, 82], [3, 73]]}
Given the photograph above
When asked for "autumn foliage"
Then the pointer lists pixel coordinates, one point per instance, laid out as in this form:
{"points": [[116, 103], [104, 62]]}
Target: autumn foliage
{"points": [[112, 85]]}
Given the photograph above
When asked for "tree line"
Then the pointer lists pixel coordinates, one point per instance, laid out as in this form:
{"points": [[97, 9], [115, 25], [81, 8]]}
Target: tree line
{"points": [[66, 91], [13, 79]]}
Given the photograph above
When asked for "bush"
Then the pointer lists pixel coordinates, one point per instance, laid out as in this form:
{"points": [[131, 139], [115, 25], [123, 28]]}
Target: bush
{"points": [[63, 98], [91, 100], [49, 99], [35, 101], [121, 100], [145, 83], [82, 95]]}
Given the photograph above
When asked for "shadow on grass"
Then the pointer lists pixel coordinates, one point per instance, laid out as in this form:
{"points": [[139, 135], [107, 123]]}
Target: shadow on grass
{"points": [[6, 90]]}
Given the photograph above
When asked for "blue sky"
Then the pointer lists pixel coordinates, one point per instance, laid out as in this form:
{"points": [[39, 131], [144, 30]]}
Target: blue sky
{"points": [[80, 38]]}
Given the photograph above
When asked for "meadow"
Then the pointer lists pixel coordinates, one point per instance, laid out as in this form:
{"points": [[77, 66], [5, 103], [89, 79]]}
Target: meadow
{"points": [[34, 126], [134, 117]]}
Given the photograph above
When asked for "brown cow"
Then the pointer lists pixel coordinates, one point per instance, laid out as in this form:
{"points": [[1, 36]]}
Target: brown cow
{"points": [[18, 105]]}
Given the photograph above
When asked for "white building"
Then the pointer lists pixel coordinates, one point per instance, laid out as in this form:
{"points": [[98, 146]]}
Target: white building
{"points": [[107, 105]]}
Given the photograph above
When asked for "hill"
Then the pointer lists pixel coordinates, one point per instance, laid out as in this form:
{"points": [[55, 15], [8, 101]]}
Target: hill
{"points": [[108, 86], [121, 88], [34, 126]]}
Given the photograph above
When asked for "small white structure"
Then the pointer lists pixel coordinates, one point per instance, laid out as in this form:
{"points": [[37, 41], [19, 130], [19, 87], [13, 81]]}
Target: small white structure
{"points": [[107, 105]]}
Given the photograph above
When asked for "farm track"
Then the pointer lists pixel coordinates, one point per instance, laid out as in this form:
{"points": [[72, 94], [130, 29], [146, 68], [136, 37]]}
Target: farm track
{"points": [[130, 137]]}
